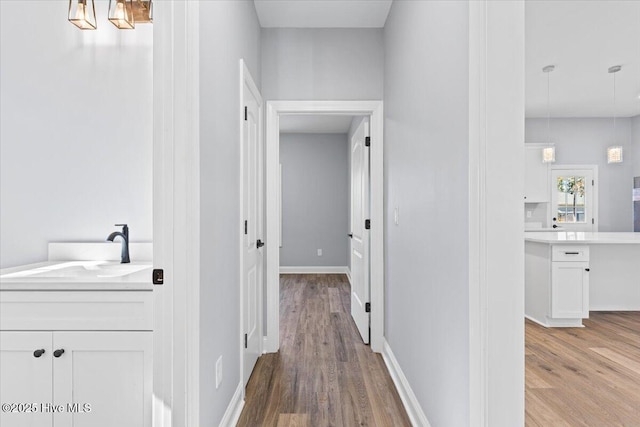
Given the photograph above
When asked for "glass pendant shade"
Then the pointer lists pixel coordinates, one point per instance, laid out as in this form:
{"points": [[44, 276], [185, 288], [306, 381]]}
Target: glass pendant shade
{"points": [[121, 14], [549, 155], [614, 154], [82, 14], [143, 11]]}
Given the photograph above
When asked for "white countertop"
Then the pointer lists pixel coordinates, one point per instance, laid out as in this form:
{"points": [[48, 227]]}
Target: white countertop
{"points": [[22, 278], [580, 237]]}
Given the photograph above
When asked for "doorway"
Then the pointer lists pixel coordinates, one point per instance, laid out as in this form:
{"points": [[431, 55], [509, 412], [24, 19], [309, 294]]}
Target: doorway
{"points": [[574, 197], [276, 109]]}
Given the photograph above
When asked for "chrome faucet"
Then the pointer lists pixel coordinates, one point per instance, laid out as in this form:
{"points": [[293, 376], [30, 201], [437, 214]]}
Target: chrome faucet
{"points": [[125, 242]]}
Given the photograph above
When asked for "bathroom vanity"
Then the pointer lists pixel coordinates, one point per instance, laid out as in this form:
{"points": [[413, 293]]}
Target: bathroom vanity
{"points": [[76, 344], [568, 274]]}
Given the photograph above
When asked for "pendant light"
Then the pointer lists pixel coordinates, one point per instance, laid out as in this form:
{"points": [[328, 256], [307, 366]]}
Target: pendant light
{"points": [[614, 152], [548, 153], [83, 15], [121, 14]]}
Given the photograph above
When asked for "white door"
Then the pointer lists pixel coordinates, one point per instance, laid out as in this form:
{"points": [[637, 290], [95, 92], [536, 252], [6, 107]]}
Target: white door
{"points": [[252, 266], [25, 378], [359, 232], [107, 374], [573, 199]]}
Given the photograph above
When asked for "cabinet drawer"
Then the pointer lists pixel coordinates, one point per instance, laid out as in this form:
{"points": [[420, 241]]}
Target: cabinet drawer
{"points": [[76, 311], [570, 253]]}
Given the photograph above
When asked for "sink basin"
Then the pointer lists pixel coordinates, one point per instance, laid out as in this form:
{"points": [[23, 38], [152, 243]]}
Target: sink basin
{"points": [[78, 269]]}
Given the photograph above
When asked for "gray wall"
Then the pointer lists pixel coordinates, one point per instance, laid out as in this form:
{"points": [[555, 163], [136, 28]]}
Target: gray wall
{"points": [[322, 64], [315, 199], [426, 176], [636, 145], [229, 30], [75, 130], [584, 141]]}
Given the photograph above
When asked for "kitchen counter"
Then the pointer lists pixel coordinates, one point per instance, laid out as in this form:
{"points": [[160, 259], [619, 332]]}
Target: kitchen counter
{"points": [[580, 237], [568, 274], [78, 276]]}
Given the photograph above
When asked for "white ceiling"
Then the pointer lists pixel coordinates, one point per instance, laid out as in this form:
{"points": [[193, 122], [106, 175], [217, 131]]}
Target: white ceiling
{"points": [[318, 123], [581, 38], [322, 13]]}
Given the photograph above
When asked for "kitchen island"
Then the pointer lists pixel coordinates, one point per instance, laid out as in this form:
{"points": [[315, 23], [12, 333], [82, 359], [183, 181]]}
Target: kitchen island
{"points": [[568, 274]]}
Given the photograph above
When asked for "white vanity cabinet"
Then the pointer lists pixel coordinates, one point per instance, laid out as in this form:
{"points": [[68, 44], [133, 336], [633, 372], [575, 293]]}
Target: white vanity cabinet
{"points": [[96, 369]]}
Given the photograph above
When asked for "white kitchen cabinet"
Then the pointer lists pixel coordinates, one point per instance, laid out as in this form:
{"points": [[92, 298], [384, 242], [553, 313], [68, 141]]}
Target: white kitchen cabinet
{"points": [[570, 290], [536, 175], [556, 284], [100, 377]]}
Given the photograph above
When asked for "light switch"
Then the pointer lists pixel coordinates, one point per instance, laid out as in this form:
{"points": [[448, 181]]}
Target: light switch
{"points": [[396, 216], [319, 252]]}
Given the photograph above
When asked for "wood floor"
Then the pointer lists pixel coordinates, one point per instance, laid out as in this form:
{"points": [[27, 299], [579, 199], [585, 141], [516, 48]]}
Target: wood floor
{"points": [[584, 376], [323, 375]]}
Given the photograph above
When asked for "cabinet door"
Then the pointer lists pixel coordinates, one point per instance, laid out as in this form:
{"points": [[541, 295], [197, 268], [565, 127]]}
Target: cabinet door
{"points": [[569, 290], [107, 374], [25, 379], [536, 176]]}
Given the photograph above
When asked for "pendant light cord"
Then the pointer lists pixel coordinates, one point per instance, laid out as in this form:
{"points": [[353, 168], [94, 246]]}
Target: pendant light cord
{"points": [[615, 110], [549, 110]]}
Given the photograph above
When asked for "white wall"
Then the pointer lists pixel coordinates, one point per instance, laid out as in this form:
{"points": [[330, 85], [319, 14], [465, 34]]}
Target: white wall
{"points": [[321, 64], [427, 178], [635, 151], [75, 129], [229, 30], [584, 141], [315, 199]]}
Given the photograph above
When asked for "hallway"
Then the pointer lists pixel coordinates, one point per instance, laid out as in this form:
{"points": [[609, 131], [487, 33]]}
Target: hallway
{"points": [[323, 375]]}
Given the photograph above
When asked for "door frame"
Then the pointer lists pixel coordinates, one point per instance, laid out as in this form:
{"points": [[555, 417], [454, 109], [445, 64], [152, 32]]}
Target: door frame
{"points": [[373, 109], [246, 78], [594, 193], [176, 213]]}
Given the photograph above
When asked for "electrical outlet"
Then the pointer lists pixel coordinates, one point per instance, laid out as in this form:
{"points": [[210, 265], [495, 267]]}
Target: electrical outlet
{"points": [[319, 252], [529, 213], [218, 371]]}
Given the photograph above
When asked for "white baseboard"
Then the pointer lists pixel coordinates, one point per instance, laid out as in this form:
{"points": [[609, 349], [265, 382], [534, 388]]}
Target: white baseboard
{"points": [[349, 275], [315, 270], [232, 414], [409, 400]]}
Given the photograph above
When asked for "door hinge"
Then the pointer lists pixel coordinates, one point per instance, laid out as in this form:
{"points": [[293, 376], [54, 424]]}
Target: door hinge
{"points": [[367, 224], [245, 340], [593, 182], [367, 141], [367, 307], [157, 277], [245, 226], [245, 112], [593, 221]]}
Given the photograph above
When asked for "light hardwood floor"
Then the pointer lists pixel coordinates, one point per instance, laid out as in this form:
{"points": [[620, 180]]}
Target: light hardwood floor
{"points": [[323, 375], [584, 376]]}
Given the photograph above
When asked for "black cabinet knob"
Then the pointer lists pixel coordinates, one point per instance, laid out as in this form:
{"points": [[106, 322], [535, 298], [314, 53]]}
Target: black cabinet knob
{"points": [[555, 226], [587, 269], [58, 352], [38, 353], [259, 243], [350, 235]]}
